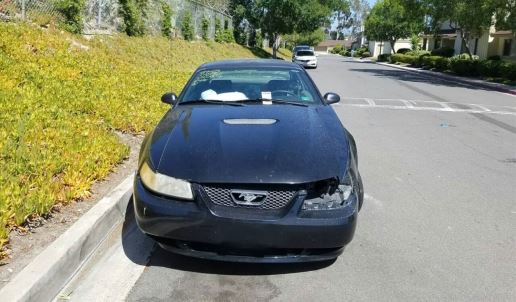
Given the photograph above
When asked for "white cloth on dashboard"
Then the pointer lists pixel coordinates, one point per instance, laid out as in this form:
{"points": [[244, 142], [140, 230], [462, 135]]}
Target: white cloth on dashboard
{"points": [[211, 94]]}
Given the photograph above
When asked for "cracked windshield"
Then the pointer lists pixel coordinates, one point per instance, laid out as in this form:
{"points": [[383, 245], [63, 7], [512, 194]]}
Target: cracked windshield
{"points": [[257, 150]]}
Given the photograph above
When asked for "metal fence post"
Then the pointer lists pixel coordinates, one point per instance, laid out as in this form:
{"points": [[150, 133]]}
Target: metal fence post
{"points": [[99, 13], [23, 9]]}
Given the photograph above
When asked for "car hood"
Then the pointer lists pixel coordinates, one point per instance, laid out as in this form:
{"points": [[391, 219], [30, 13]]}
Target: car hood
{"points": [[250, 144]]}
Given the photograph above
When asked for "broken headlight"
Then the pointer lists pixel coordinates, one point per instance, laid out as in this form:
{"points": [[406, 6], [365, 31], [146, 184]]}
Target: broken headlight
{"points": [[331, 196]]}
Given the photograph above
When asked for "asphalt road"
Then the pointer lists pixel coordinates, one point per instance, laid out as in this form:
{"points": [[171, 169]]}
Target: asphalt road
{"points": [[438, 160]]}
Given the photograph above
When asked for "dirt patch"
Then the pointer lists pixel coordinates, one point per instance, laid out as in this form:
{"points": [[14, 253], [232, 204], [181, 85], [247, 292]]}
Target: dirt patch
{"points": [[24, 246]]}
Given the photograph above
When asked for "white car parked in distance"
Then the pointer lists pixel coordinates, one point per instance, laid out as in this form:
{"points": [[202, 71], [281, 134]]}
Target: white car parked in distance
{"points": [[306, 58]]}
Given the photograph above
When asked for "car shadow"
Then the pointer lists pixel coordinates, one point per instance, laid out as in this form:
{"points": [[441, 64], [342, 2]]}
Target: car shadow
{"points": [[262, 53], [133, 239]]}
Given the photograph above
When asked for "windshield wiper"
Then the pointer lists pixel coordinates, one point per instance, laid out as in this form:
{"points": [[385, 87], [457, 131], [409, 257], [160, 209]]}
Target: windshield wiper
{"points": [[275, 101], [230, 103]]}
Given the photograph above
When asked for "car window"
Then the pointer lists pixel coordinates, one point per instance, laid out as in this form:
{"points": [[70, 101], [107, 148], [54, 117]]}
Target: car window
{"points": [[305, 53], [241, 84]]}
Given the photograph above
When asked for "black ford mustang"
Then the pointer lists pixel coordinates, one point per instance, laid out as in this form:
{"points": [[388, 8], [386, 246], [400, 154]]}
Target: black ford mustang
{"points": [[250, 164]]}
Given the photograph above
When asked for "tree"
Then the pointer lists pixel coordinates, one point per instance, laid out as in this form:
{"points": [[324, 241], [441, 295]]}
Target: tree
{"points": [[283, 17], [166, 28], [342, 17], [133, 13], [245, 20], [187, 28], [359, 11], [505, 12], [240, 23], [311, 38], [218, 31], [389, 21], [205, 27], [72, 11]]}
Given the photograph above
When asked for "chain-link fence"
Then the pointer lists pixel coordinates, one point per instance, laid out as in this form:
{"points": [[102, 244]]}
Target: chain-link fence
{"points": [[29, 10], [102, 16]]}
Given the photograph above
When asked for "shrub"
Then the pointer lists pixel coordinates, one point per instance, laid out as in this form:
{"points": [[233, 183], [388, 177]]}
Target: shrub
{"points": [[508, 71], [205, 27], [360, 51], [490, 68], [72, 11], [366, 54], [227, 36], [132, 13], [344, 52], [465, 56], [401, 58], [166, 28], [495, 58], [435, 62], [337, 49], [414, 42], [417, 53], [403, 50], [384, 57], [447, 52], [218, 31], [255, 38], [187, 29], [464, 67]]}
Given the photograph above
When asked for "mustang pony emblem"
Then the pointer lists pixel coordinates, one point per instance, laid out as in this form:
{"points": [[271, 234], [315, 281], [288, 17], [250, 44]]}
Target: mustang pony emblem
{"points": [[250, 198]]}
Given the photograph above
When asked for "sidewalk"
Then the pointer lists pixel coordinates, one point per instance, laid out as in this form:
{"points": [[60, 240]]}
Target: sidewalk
{"points": [[468, 81]]}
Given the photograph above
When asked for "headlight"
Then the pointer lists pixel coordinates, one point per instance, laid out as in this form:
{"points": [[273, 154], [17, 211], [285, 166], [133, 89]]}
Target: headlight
{"points": [[165, 185], [340, 198]]}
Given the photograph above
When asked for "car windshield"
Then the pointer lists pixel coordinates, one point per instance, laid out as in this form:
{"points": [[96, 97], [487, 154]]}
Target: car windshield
{"points": [[251, 84], [304, 53]]}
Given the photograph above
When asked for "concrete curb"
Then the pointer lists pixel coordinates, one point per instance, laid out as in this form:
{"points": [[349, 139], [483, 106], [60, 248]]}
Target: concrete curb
{"points": [[43, 278], [471, 82]]}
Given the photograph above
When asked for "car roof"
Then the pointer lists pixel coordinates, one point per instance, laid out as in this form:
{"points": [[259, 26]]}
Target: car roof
{"points": [[273, 63]]}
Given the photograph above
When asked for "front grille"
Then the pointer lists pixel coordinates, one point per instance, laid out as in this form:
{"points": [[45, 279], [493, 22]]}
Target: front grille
{"points": [[276, 199]]}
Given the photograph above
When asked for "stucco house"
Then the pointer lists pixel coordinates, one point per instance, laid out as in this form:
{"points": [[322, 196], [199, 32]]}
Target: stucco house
{"points": [[377, 48], [490, 43], [328, 45]]}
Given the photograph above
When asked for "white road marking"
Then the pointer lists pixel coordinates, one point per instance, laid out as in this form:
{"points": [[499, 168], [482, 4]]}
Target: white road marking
{"points": [[446, 107], [370, 102], [408, 103], [481, 107], [439, 106]]}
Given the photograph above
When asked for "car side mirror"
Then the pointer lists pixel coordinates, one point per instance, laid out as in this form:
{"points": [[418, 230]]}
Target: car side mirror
{"points": [[331, 98], [169, 98]]}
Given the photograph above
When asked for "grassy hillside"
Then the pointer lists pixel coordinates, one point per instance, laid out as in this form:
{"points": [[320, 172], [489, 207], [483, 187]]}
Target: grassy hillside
{"points": [[62, 97]]}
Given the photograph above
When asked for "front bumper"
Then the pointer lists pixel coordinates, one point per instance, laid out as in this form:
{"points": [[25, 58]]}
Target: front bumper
{"points": [[202, 229], [306, 63]]}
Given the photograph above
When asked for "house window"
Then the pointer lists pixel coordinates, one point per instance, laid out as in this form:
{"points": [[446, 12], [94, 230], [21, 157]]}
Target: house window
{"points": [[507, 43]]}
